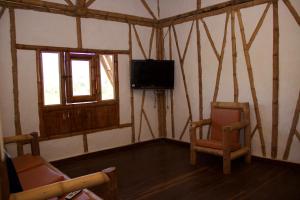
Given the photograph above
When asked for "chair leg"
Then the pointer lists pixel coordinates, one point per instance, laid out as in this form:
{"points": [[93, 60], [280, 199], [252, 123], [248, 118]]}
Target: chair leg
{"points": [[226, 163], [193, 157]]}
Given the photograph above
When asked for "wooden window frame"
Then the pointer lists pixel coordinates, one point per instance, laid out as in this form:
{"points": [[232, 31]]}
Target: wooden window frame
{"points": [[94, 77], [70, 108]]}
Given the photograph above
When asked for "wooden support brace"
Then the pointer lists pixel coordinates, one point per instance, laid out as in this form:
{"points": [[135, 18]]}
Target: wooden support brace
{"points": [[89, 2], [172, 92], [141, 113], [251, 80], [297, 134], [254, 130], [293, 129], [148, 9], [148, 123], [69, 2], [182, 67], [259, 24], [151, 42], [292, 10], [210, 39], [139, 42], [185, 127], [221, 60]]}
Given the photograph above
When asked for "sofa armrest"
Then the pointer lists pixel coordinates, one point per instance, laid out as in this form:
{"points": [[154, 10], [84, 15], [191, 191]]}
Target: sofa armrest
{"points": [[61, 188], [31, 138], [200, 123]]}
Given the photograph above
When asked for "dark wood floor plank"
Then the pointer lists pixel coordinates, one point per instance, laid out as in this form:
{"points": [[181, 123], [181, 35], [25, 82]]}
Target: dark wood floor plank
{"points": [[160, 170]]}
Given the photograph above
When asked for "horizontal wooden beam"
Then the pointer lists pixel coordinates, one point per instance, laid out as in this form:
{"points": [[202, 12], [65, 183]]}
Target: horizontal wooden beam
{"points": [[44, 6], [51, 48], [210, 11]]}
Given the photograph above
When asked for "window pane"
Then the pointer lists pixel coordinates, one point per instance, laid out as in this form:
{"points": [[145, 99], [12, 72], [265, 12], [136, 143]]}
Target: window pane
{"points": [[107, 77], [81, 77], [51, 77]]}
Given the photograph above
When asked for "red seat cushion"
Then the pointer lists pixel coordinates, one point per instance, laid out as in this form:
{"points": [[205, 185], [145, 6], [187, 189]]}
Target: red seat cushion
{"points": [[216, 144], [39, 176], [222, 117], [25, 162]]}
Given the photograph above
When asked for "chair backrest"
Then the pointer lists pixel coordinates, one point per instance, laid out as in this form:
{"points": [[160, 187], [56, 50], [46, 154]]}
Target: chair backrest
{"points": [[225, 113]]}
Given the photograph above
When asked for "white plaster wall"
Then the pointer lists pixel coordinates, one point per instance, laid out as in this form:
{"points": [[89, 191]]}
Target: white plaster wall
{"points": [[261, 59], [48, 29]]}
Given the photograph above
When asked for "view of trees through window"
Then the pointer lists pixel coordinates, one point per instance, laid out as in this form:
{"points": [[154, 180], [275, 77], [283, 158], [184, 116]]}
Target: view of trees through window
{"points": [[81, 77], [51, 78]]}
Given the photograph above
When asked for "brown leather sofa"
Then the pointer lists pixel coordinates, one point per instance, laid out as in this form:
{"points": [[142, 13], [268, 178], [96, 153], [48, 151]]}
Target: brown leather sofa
{"points": [[40, 180]]}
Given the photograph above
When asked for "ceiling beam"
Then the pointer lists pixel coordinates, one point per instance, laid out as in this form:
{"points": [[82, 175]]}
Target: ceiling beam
{"points": [[210, 11], [44, 6]]}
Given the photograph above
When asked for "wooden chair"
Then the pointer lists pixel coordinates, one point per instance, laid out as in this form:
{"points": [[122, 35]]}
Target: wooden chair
{"points": [[227, 121]]}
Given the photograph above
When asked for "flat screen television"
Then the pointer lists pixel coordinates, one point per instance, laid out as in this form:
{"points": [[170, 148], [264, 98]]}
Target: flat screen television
{"points": [[152, 74]]}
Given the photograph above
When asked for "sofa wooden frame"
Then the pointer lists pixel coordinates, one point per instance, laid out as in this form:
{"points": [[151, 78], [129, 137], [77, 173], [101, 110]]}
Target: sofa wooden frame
{"points": [[106, 178]]}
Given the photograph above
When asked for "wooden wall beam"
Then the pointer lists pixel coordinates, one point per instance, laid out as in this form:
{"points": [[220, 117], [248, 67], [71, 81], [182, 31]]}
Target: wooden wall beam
{"points": [[210, 39], [69, 2], [131, 90], [2, 11], [89, 2], [83, 50], [234, 59], [79, 35], [44, 6], [275, 105], [292, 10], [221, 58], [148, 9], [210, 11], [14, 59], [293, 129], [259, 24], [252, 84]]}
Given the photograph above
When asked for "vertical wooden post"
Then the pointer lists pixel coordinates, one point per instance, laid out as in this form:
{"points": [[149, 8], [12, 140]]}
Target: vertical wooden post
{"points": [[15, 76], [172, 92], [234, 58], [199, 70], [79, 35], [275, 79], [161, 96], [131, 90]]}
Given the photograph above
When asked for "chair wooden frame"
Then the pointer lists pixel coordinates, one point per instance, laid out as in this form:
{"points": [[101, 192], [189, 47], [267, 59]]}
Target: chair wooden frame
{"points": [[226, 152]]}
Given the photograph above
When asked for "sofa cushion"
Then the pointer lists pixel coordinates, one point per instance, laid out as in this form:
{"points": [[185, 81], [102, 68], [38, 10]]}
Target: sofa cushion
{"points": [[25, 162], [39, 176], [14, 182]]}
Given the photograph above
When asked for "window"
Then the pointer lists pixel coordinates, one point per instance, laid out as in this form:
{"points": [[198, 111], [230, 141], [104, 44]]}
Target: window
{"points": [[77, 92]]}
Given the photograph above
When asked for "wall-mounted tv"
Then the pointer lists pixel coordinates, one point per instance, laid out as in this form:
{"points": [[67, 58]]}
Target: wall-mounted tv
{"points": [[152, 74]]}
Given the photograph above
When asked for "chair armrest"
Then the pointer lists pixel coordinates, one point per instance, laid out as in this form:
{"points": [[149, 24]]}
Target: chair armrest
{"points": [[61, 188], [200, 123], [194, 126], [235, 126]]}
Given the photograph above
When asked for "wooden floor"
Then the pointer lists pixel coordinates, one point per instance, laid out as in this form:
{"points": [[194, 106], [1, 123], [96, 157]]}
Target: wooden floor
{"points": [[160, 170]]}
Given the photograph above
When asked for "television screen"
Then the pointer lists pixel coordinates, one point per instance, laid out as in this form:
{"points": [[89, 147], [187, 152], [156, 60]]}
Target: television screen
{"points": [[152, 74]]}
